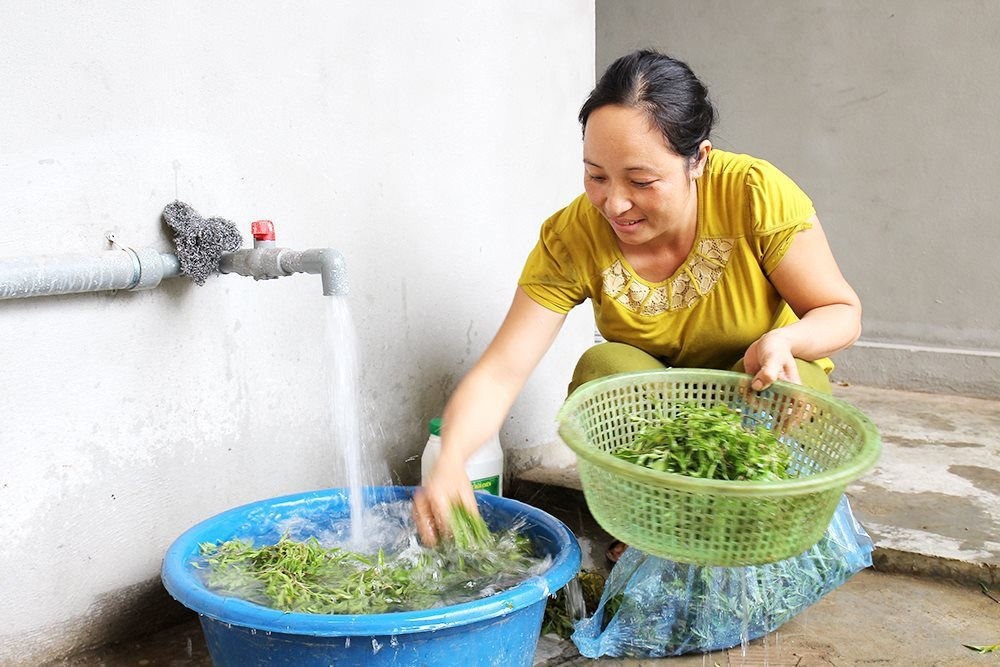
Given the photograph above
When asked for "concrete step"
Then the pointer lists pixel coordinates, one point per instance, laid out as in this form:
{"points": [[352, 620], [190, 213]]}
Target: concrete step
{"points": [[931, 503]]}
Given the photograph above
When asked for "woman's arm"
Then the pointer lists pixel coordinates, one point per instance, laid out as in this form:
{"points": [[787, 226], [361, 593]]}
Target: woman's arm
{"points": [[478, 406], [829, 311]]}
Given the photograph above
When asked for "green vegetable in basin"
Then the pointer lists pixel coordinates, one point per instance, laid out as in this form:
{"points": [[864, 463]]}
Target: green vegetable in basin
{"points": [[308, 577]]}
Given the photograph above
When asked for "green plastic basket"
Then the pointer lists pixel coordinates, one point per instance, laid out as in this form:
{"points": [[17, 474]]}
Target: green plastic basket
{"points": [[715, 522]]}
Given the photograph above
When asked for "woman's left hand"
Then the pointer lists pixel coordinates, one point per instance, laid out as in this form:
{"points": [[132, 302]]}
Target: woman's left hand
{"points": [[770, 358]]}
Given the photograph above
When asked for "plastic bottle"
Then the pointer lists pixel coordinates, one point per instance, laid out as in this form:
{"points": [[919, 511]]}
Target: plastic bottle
{"points": [[484, 467]]}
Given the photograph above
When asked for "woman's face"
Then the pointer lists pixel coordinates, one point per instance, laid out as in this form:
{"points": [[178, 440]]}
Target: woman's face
{"points": [[642, 187]]}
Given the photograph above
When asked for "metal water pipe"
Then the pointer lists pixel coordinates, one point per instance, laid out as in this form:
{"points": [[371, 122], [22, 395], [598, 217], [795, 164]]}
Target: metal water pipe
{"points": [[126, 268], [121, 269], [266, 261]]}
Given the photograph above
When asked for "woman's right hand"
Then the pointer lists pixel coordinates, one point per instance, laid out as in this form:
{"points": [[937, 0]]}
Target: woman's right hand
{"points": [[477, 408], [447, 485], [769, 358]]}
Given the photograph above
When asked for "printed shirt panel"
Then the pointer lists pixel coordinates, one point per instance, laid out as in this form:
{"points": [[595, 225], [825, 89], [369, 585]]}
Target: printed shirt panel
{"points": [[698, 276]]}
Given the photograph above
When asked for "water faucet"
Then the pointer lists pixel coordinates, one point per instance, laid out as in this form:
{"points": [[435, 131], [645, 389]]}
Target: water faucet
{"points": [[266, 261]]}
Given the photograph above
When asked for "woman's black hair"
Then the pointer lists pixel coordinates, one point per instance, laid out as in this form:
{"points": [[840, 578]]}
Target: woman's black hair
{"points": [[663, 87]]}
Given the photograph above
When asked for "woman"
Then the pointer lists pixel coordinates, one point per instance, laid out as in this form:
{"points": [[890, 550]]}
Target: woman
{"points": [[691, 257]]}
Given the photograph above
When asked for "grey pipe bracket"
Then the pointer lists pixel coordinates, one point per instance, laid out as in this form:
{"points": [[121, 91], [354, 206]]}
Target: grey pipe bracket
{"points": [[147, 265]]}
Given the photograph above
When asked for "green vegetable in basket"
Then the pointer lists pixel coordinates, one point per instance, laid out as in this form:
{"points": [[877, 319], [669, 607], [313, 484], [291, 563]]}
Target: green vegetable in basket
{"points": [[708, 443]]}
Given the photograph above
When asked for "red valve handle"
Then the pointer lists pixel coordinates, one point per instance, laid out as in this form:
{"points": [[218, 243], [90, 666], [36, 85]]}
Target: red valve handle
{"points": [[262, 230]]}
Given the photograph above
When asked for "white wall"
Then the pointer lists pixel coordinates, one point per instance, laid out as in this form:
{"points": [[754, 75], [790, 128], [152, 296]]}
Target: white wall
{"points": [[426, 141]]}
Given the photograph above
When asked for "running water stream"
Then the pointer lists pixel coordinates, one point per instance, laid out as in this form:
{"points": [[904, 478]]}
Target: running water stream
{"points": [[345, 401], [323, 562]]}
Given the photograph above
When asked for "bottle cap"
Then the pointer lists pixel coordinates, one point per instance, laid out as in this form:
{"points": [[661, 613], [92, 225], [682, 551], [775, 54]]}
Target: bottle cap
{"points": [[435, 426]]}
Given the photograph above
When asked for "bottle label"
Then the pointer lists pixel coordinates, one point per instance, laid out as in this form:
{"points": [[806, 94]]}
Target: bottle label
{"points": [[488, 484]]}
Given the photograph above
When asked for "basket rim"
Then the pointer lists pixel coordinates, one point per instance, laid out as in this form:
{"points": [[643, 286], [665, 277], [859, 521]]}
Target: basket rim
{"points": [[834, 478]]}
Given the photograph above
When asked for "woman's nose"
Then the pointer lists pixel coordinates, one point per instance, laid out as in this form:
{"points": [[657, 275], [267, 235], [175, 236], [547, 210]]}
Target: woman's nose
{"points": [[618, 201]]}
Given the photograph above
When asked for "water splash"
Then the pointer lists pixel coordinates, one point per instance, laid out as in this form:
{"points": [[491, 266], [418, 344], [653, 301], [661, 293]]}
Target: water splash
{"points": [[576, 608]]}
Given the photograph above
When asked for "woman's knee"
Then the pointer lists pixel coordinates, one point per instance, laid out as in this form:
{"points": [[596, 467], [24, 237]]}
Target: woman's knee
{"points": [[606, 359], [814, 376]]}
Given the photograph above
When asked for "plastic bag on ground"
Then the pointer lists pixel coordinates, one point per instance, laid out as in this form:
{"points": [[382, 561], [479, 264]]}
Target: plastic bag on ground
{"points": [[652, 607]]}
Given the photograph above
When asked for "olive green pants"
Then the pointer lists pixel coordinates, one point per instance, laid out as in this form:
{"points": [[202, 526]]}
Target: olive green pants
{"points": [[610, 358]]}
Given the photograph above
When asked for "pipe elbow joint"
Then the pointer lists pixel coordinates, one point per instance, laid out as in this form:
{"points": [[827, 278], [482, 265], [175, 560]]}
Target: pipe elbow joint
{"points": [[267, 263], [327, 262], [334, 272]]}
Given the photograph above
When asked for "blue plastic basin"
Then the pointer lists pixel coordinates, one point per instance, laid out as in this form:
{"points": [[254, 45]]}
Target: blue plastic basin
{"points": [[500, 630]]}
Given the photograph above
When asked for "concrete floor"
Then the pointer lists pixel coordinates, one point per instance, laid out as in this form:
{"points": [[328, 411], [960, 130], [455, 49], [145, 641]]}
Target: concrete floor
{"points": [[876, 617], [932, 505]]}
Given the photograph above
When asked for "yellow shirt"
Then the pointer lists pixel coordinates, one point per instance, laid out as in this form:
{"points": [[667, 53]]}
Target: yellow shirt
{"points": [[717, 303]]}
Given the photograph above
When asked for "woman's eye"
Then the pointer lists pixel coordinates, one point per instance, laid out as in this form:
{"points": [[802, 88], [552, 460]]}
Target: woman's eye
{"points": [[597, 179], [642, 184]]}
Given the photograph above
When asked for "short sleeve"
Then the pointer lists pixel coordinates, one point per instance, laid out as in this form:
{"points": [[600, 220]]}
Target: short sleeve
{"points": [[550, 276], [779, 209]]}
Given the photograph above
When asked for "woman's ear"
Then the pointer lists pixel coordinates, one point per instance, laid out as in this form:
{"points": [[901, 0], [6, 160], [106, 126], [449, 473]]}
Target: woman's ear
{"points": [[698, 167]]}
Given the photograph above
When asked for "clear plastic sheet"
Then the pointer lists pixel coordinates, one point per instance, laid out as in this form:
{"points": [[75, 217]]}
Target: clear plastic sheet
{"points": [[652, 607]]}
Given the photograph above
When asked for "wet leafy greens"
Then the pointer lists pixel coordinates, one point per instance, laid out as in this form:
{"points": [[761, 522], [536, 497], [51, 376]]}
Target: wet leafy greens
{"points": [[708, 443], [305, 576]]}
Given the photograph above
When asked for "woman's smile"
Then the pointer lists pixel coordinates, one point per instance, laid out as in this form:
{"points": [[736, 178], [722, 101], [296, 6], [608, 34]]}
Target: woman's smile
{"points": [[624, 222]]}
